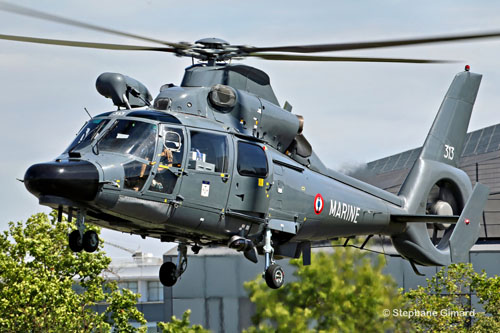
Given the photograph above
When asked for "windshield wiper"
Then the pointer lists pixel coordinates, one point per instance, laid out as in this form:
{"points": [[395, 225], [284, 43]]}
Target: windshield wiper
{"points": [[95, 147], [92, 134]]}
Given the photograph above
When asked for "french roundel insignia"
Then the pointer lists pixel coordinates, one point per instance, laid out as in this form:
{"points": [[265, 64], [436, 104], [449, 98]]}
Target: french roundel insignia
{"points": [[318, 204]]}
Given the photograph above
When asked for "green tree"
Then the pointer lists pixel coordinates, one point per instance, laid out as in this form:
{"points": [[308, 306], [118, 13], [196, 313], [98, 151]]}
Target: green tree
{"points": [[38, 274], [445, 302], [343, 291], [181, 325]]}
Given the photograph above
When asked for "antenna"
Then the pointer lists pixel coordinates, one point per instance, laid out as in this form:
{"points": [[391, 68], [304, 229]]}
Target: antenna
{"points": [[88, 112]]}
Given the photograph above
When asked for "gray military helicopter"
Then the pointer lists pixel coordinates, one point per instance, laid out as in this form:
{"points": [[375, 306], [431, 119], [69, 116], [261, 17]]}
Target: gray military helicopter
{"points": [[217, 161]]}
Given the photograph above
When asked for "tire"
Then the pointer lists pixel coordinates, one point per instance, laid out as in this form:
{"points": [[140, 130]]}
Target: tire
{"points": [[275, 276], [167, 274], [75, 241], [90, 241]]}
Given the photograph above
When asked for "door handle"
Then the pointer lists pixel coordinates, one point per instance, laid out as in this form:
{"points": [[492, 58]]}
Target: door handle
{"points": [[224, 177], [269, 186], [178, 172]]}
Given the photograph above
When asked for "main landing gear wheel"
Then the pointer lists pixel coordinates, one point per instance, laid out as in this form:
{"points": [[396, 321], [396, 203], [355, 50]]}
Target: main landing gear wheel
{"points": [[170, 272], [168, 275], [275, 276], [90, 241], [75, 241]]}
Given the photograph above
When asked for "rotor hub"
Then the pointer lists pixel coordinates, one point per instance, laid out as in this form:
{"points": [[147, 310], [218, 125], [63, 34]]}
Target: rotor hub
{"points": [[212, 43], [210, 49]]}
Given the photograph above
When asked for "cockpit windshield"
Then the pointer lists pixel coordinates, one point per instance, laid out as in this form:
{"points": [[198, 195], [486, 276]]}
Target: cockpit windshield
{"points": [[88, 133], [130, 137]]}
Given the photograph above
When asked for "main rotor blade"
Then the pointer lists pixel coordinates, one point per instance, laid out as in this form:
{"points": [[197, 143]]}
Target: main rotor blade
{"points": [[11, 8], [293, 57], [86, 44], [370, 45]]}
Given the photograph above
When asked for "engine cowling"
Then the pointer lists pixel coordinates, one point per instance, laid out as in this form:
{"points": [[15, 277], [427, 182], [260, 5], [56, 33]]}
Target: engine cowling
{"points": [[254, 116]]}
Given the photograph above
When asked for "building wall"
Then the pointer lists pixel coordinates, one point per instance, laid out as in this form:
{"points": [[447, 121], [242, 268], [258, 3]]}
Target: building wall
{"points": [[212, 286]]}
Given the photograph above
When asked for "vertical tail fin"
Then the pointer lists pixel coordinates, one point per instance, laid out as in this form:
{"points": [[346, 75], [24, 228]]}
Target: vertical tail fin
{"points": [[445, 140], [444, 143], [436, 170]]}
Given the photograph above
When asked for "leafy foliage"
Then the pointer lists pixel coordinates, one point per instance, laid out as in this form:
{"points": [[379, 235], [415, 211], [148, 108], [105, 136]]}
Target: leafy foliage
{"points": [[447, 295], [343, 291], [181, 325], [37, 277]]}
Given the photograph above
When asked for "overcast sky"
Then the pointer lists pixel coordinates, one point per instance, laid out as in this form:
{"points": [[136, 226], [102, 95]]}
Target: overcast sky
{"points": [[354, 112]]}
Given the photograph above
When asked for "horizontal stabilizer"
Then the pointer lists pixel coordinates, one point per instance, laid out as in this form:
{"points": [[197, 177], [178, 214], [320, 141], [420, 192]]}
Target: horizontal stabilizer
{"points": [[466, 231], [404, 218]]}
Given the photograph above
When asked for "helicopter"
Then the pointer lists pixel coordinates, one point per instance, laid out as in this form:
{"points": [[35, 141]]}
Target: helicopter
{"points": [[217, 161]]}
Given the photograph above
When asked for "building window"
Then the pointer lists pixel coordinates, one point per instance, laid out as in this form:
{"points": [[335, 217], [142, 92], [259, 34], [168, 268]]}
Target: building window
{"points": [[155, 291], [130, 285]]}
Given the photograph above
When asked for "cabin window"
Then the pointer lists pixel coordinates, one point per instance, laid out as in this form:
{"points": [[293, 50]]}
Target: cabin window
{"points": [[209, 152], [171, 154], [252, 160]]}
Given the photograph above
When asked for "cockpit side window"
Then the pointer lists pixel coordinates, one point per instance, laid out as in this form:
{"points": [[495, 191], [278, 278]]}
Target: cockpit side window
{"points": [[136, 174], [130, 137], [252, 160], [209, 152], [171, 154]]}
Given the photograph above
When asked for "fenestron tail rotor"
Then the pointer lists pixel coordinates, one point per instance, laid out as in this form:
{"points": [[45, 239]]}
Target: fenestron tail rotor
{"points": [[214, 49]]}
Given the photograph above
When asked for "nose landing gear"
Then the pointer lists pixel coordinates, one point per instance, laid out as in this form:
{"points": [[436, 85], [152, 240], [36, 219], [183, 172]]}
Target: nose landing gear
{"points": [[90, 241], [80, 239], [170, 272], [75, 241]]}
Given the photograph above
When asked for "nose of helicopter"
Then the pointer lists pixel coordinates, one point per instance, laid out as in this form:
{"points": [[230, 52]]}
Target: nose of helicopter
{"points": [[77, 180]]}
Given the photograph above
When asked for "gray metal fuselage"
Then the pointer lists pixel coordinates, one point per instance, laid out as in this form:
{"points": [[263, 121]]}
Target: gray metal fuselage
{"points": [[211, 205], [216, 188], [218, 161]]}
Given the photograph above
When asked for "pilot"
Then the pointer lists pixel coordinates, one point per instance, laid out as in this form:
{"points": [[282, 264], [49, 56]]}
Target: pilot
{"points": [[167, 156], [164, 182], [139, 176]]}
